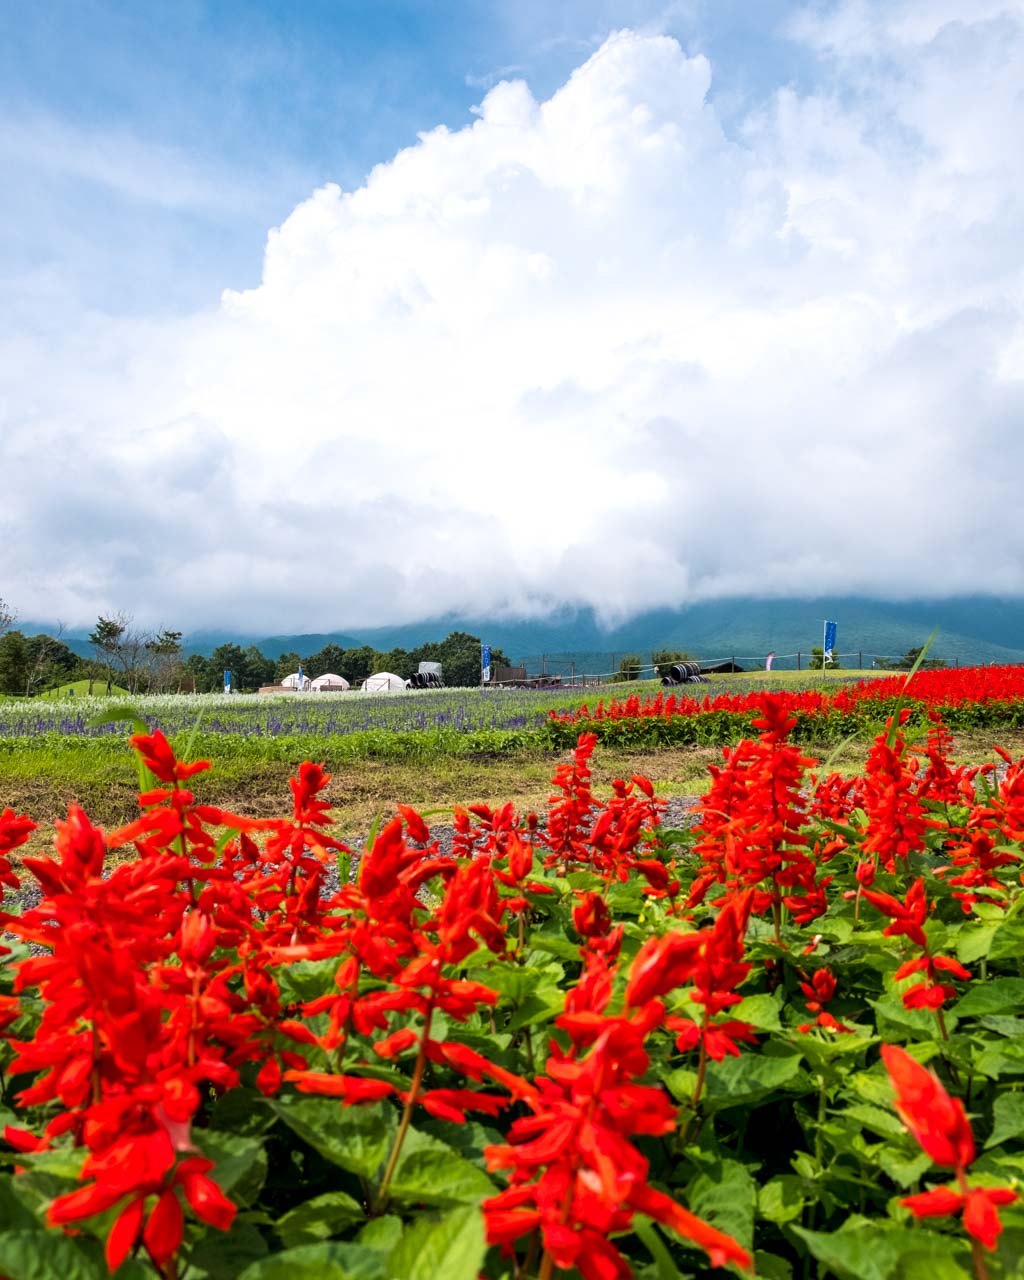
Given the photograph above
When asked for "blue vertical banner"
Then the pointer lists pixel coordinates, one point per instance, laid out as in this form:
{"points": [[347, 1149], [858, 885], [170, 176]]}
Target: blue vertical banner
{"points": [[485, 663], [299, 682], [830, 641], [227, 681]]}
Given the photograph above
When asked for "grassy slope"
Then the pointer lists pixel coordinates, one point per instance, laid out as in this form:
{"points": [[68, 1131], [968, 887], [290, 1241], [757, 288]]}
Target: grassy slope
{"points": [[80, 689]]}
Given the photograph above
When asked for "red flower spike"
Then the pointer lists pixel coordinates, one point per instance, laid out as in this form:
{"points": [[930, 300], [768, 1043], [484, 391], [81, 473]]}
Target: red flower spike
{"points": [[125, 1232], [940, 1126], [164, 1230], [937, 1122], [158, 757]]}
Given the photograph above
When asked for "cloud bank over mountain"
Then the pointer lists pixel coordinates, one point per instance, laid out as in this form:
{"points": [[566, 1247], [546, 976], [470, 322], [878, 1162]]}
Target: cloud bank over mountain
{"points": [[607, 348]]}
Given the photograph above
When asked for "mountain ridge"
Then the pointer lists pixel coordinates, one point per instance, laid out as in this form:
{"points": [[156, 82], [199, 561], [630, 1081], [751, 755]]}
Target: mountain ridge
{"points": [[970, 629]]}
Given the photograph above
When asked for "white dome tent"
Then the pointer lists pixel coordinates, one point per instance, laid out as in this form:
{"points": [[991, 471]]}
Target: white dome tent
{"points": [[383, 682], [330, 683], [296, 681]]}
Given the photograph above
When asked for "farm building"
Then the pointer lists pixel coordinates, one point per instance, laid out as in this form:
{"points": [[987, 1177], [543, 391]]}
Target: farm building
{"points": [[383, 682], [329, 683]]}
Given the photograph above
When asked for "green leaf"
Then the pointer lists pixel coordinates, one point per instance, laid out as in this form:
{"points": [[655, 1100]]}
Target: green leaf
{"points": [[14, 1213], [870, 1252], [1007, 1118], [875, 1119], [974, 942], [306, 980], [355, 1138], [905, 1168], [724, 1196], [783, 1199], [664, 1265], [996, 995], [381, 1234], [770, 1267], [46, 1255], [329, 1260], [240, 1163], [241, 1111], [430, 1172], [452, 1247], [222, 1255], [748, 1078], [318, 1219], [761, 1011]]}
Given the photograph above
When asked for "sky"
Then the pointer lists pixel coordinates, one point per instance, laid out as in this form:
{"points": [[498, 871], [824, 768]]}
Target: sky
{"points": [[329, 315]]}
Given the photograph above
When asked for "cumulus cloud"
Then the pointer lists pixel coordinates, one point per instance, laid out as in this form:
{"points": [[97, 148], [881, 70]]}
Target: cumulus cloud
{"points": [[592, 349]]}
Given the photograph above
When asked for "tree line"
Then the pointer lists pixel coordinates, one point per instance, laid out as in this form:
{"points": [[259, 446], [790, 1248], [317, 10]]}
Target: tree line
{"points": [[458, 653], [140, 661]]}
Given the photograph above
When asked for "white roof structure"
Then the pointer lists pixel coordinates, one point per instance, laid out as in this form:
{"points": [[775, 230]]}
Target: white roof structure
{"points": [[382, 682], [293, 681], [329, 681]]}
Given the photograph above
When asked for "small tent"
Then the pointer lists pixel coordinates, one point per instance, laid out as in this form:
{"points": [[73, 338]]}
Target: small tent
{"points": [[329, 683], [295, 681], [383, 682]]}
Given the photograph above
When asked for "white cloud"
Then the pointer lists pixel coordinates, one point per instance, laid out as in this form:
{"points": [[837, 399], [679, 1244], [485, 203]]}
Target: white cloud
{"points": [[588, 349]]}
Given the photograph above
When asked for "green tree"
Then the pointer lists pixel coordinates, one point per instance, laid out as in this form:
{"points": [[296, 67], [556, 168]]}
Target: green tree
{"points": [[231, 657], [814, 662], [14, 663], [105, 640], [459, 656], [286, 664], [258, 667], [662, 659], [328, 660], [397, 661], [50, 663], [165, 664], [911, 656], [630, 668], [357, 664], [200, 672]]}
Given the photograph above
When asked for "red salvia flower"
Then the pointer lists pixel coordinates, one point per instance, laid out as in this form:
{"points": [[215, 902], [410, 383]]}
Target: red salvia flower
{"points": [[939, 1125]]}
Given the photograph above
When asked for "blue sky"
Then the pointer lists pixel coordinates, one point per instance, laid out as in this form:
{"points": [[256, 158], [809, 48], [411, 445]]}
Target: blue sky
{"points": [[265, 101], [326, 315]]}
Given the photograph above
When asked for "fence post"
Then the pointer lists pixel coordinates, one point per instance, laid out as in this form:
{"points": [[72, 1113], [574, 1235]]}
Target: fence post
{"points": [[860, 660], [733, 659], [798, 662]]}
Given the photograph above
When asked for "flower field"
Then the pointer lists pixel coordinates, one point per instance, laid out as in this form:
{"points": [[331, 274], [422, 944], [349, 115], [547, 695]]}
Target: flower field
{"points": [[965, 698], [785, 1042], [324, 715]]}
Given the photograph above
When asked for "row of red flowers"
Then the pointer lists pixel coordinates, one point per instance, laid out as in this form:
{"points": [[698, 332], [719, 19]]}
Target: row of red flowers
{"points": [[516, 1055], [932, 689]]}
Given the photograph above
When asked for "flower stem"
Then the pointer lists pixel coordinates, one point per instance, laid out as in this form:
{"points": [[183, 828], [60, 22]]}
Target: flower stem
{"points": [[410, 1102]]}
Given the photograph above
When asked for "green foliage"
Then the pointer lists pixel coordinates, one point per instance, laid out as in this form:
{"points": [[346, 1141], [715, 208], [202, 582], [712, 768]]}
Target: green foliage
{"points": [[630, 668], [662, 659], [911, 658]]}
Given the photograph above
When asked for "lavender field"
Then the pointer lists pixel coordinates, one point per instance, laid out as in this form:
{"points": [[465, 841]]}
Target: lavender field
{"points": [[250, 716]]}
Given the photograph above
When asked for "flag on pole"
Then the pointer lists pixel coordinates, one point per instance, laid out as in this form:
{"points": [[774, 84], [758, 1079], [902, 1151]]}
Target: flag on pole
{"points": [[298, 682], [769, 660], [227, 681], [485, 663], [830, 641]]}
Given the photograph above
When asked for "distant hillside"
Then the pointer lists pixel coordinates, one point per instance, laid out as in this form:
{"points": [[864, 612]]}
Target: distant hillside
{"points": [[971, 629], [976, 629]]}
